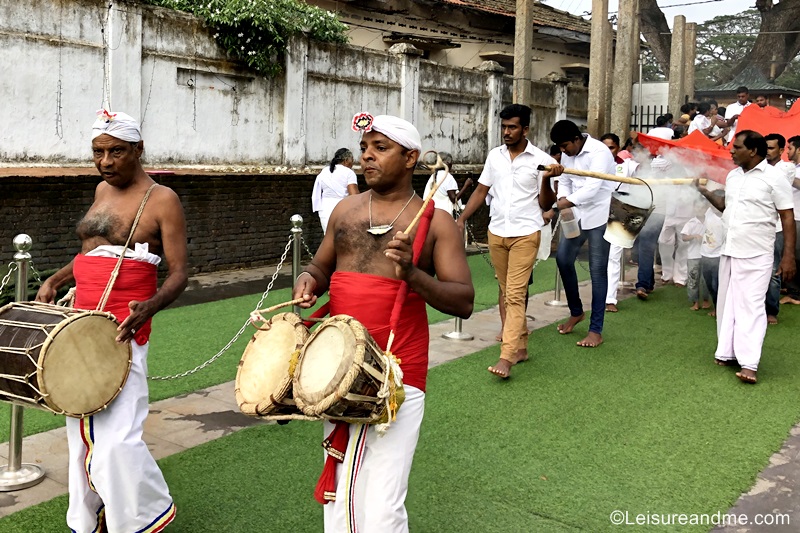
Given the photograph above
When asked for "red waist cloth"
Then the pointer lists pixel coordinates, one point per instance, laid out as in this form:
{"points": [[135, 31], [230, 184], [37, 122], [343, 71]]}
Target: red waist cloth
{"points": [[370, 299], [136, 281]]}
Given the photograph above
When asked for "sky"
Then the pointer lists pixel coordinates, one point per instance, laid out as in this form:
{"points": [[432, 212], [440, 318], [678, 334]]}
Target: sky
{"points": [[696, 12]]}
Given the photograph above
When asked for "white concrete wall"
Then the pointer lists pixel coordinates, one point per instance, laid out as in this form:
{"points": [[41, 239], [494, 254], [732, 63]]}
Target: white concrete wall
{"points": [[65, 59]]}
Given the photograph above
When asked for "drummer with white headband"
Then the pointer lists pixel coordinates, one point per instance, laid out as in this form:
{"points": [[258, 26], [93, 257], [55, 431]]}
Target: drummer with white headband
{"points": [[362, 262], [114, 482]]}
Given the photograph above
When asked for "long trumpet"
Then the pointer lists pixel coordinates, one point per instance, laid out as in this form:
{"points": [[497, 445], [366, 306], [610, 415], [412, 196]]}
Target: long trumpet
{"points": [[622, 179]]}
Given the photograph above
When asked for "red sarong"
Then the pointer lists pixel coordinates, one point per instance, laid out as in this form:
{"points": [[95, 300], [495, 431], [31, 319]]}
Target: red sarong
{"points": [[370, 299], [137, 280]]}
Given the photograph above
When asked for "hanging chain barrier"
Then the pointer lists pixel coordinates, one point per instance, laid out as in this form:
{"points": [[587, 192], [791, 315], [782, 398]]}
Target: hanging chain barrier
{"points": [[12, 267], [305, 245], [242, 329]]}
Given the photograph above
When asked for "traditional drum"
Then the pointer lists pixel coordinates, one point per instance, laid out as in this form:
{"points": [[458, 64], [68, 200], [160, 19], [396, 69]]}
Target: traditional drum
{"points": [[344, 375], [264, 378], [60, 359]]}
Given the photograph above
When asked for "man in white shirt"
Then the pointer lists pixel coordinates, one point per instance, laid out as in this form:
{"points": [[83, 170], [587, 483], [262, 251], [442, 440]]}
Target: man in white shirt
{"points": [[662, 130], [775, 145], [590, 201], [735, 109], [520, 192], [445, 196], [756, 195], [793, 152]]}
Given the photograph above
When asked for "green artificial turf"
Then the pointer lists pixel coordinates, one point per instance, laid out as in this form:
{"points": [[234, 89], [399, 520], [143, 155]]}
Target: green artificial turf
{"points": [[185, 337], [646, 423]]}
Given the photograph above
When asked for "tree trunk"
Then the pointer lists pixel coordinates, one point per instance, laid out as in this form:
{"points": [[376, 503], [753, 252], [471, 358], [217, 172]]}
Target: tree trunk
{"points": [[772, 52], [654, 27]]}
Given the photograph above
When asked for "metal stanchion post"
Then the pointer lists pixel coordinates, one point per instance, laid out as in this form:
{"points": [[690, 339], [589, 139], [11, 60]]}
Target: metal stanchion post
{"points": [[556, 301], [15, 475], [297, 235], [457, 334], [622, 283]]}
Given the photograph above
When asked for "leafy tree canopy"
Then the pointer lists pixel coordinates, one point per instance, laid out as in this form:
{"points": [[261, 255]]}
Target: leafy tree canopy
{"points": [[258, 31]]}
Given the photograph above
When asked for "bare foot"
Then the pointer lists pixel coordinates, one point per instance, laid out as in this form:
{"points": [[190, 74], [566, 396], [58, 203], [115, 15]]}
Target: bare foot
{"points": [[695, 307], [502, 368], [712, 313], [522, 356], [772, 319], [570, 324], [680, 284], [499, 337], [726, 362], [789, 300], [641, 293], [706, 304], [747, 375], [611, 308], [592, 340]]}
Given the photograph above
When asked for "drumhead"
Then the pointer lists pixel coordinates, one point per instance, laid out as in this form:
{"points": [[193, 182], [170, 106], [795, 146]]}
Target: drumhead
{"points": [[82, 366], [264, 369], [327, 357]]}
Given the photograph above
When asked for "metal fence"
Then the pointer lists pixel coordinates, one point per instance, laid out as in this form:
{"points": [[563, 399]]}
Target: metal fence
{"points": [[649, 114]]}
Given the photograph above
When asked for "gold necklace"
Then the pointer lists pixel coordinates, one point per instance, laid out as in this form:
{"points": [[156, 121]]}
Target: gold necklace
{"points": [[383, 229]]}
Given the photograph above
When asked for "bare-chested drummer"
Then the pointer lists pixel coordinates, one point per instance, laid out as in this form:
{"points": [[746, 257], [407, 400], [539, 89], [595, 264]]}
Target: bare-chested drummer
{"points": [[114, 482], [362, 270]]}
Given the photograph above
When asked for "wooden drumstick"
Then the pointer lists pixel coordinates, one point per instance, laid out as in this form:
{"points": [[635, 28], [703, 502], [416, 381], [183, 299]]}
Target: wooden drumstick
{"points": [[622, 179], [278, 306], [435, 188]]}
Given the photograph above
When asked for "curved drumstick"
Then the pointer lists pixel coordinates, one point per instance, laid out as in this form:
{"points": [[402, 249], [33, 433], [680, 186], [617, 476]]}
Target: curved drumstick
{"points": [[256, 316]]}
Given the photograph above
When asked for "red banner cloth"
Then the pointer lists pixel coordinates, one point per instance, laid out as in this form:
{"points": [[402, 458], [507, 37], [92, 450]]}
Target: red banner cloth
{"points": [[137, 280], [695, 151], [766, 120]]}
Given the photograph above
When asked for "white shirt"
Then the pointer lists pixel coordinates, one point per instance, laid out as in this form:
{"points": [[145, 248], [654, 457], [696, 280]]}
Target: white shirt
{"points": [[713, 234], [591, 196], [752, 201], [733, 109], [693, 227], [700, 122], [790, 171], [796, 195], [440, 198], [514, 186], [331, 185], [662, 133]]}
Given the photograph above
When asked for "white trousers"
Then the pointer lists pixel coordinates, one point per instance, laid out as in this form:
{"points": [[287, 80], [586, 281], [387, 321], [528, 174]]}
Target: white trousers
{"points": [[112, 474], [377, 468], [614, 268], [674, 251], [741, 315]]}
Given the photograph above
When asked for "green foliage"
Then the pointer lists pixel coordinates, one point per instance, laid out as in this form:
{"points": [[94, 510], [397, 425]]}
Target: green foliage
{"points": [[722, 43], [258, 31], [651, 70]]}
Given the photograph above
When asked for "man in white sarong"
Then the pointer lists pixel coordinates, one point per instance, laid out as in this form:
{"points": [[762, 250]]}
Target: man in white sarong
{"points": [[756, 195], [115, 484]]}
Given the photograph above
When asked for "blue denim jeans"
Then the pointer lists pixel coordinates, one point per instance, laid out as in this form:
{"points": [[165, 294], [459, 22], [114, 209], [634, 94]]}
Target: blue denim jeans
{"points": [[598, 269], [774, 290], [709, 266], [648, 243]]}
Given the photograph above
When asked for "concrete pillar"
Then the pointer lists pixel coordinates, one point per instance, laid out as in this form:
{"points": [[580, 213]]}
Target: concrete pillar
{"points": [[523, 52], [609, 88], [637, 38], [597, 67], [561, 86], [627, 53], [123, 41], [677, 65], [689, 60], [294, 102], [494, 88], [408, 55]]}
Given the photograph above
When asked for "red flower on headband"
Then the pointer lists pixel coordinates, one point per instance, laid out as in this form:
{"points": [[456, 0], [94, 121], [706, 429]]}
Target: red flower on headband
{"points": [[105, 115], [362, 122]]}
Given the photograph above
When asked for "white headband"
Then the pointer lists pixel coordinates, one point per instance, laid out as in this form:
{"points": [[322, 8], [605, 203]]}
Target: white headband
{"points": [[120, 125], [400, 131]]}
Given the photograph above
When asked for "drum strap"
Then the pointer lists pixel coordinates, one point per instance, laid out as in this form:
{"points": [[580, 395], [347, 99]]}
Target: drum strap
{"points": [[107, 292]]}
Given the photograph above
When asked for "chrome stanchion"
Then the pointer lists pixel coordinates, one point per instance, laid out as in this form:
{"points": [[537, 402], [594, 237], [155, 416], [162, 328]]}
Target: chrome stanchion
{"points": [[556, 301], [622, 283], [15, 475], [297, 235], [457, 334]]}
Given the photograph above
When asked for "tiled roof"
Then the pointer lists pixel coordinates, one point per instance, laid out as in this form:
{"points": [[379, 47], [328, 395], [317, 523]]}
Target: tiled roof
{"points": [[543, 15], [754, 80]]}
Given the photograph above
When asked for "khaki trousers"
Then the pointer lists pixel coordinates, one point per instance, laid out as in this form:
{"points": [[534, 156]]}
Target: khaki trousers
{"points": [[513, 259]]}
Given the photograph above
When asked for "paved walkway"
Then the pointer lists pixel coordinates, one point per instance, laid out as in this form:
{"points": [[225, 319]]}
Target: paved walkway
{"points": [[179, 423]]}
